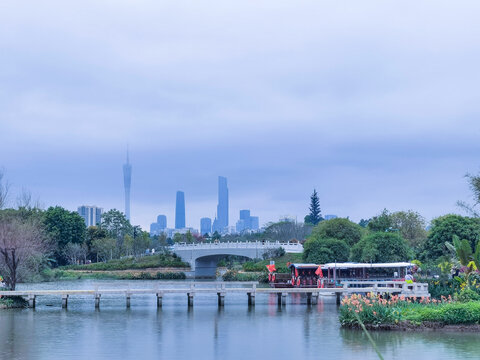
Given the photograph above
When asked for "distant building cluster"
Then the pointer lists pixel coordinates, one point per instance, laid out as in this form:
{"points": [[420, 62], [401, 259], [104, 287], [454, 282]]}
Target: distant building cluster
{"points": [[220, 223], [330, 217], [91, 214]]}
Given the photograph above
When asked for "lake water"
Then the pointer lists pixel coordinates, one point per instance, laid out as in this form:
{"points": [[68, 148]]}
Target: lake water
{"points": [[266, 331]]}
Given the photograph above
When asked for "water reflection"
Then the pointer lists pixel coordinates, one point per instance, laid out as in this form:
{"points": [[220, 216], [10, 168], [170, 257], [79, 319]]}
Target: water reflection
{"points": [[176, 331]]}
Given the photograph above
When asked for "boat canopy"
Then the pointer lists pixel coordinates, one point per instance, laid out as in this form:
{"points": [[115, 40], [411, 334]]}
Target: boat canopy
{"points": [[366, 265], [304, 266]]}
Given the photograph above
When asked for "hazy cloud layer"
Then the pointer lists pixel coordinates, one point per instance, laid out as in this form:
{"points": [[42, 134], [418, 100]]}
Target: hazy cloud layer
{"points": [[374, 103]]}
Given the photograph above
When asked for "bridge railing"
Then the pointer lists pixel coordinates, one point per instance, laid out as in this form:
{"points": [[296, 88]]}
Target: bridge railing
{"points": [[288, 246]]}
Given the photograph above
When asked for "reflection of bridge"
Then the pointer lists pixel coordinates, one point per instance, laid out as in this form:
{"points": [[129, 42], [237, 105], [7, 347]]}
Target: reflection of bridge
{"points": [[203, 257]]}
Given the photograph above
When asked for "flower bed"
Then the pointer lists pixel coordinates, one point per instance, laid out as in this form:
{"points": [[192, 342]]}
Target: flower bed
{"points": [[399, 312]]}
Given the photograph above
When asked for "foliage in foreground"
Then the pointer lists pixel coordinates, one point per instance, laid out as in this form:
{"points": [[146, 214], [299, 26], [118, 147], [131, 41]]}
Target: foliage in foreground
{"points": [[373, 310], [11, 302]]}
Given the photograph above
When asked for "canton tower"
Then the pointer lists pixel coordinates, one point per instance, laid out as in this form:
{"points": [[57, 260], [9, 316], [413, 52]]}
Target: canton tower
{"points": [[127, 180]]}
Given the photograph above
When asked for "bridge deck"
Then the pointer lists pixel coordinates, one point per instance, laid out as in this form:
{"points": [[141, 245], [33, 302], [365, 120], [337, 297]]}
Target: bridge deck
{"points": [[222, 288]]}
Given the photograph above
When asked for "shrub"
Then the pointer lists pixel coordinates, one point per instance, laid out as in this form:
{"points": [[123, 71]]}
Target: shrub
{"points": [[321, 251]]}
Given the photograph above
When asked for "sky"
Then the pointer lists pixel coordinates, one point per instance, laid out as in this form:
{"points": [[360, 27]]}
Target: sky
{"points": [[375, 104]]}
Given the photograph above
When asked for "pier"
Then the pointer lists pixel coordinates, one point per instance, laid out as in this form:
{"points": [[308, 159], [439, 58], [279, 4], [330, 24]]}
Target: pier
{"points": [[222, 289]]}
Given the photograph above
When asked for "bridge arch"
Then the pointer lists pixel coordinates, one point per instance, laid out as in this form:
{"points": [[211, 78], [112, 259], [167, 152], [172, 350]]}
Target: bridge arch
{"points": [[202, 256]]}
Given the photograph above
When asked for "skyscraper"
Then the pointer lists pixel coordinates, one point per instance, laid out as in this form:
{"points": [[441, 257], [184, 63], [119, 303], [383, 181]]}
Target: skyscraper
{"points": [[162, 221], [222, 208], [158, 227], [127, 180], [180, 210], [205, 226], [91, 214]]}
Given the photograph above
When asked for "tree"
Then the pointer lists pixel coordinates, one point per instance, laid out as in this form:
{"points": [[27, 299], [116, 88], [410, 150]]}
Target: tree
{"points": [[411, 226], [443, 229], [363, 222], [117, 227], [381, 247], [216, 236], [63, 227], [321, 250], [382, 222], [285, 231], [21, 240], [339, 228], [104, 248], [74, 253], [314, 217], [474, 184], [4, 189]]}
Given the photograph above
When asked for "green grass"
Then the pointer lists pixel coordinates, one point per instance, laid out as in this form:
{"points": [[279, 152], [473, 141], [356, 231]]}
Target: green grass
{"points": [[59, 274], [280, 263], [12, 302], [153, 261]]}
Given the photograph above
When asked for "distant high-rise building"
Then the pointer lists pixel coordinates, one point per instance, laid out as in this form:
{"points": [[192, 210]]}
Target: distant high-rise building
{"points": [[162, 222], [180, 210], [330, 217], [246, 221], [254, 222], [127, 180], [221, 221], [91, 214], [158, 227], [205, 226]]}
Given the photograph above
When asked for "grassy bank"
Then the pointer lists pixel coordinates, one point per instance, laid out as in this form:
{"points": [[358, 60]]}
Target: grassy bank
{"points": [[280, 263], [400, 313], [144, 262], [232, 275], [60, 274]]}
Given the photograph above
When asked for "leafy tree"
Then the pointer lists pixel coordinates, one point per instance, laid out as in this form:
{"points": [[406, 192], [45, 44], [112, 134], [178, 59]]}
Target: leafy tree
{"points": [[284, 231], [189, 237], [117, 226], [411, 226], [104, 248], [216, 235], [315, 216], [339, 228], [178, 238], [474, 184], [382, 222], [381, 247], [74, 253], [443, 229], [63, 227], [321, 251]]}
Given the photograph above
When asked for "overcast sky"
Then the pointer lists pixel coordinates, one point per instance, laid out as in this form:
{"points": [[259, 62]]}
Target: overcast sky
{"points": [[374, 103]]}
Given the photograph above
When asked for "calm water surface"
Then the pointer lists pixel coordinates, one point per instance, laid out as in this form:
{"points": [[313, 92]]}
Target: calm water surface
{"points": [[266, 331]]}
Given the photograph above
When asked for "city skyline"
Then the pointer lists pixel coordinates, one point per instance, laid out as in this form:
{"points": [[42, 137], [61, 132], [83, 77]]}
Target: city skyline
{"points": [[373, 115]]}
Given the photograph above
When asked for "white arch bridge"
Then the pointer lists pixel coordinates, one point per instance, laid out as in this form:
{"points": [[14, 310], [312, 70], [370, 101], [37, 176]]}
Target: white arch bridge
{"points": [[203, 257]]}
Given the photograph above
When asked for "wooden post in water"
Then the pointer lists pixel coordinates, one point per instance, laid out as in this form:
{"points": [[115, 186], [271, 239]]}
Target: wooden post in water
{"points": [[221, 298], [64, 301], [338, 295], [251, 298], [190, 298], [97, 300], [315, 298], [309, 298], [128, 299], [31, 301], [284, 298], [159, 299]]}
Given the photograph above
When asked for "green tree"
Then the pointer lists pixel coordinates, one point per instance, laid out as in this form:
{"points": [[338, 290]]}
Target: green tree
{"points": [[474, 184], [104, 248], [284, 231], [321, 251], [117, 226], [443, 229], [189, 237], [339, 228], [216, 236], [315, 216], [381, 247], [63, 227], [381, 222], [411, 226], [177, 238]]}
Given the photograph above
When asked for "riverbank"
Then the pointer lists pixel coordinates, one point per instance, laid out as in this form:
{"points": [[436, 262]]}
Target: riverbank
{"points": [[399, 313], [131, 274]]}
